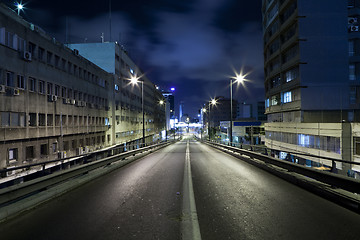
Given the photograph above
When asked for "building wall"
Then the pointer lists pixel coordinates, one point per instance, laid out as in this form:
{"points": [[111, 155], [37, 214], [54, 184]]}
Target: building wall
{"points": [[54, 103], [310, 90]]}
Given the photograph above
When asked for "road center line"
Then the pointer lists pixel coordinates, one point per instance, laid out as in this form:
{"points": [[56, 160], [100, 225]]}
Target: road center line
{"points": [[190, 225]]}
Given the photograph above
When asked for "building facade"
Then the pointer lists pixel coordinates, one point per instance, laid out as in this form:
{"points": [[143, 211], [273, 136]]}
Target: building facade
{"points": [[311, 81], [127, 105], [54, 103]]}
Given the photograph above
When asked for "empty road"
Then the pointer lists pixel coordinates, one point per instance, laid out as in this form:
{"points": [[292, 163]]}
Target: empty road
{"points": [[186, 190]]}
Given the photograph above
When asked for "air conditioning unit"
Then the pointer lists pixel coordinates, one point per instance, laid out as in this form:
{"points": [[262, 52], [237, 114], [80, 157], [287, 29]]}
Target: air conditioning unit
{"points": [[72, 101], [79, 151], [354, 28], [16, 92], [68, 101], [62, 154], [65, 101], [78, 103], [27, 56], [52, 98], [2, 89], [84, 104], [352, 20]]}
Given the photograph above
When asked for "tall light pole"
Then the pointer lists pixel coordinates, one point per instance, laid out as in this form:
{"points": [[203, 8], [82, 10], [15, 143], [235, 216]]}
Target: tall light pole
{"points": [[134, 81], [162, 103], [239, 78], [212, 102]]}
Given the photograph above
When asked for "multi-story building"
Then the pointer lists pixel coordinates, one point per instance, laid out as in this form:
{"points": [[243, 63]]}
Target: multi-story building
{"points": [[312, 92], [221, 111], [251, 110], [127, 99], [54, 103]]}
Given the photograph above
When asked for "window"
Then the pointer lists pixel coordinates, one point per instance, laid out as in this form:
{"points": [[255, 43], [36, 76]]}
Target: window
{"points": [[63, 92], [50, 120], [44, 149], [57, 90], [41, 87], [291, 74], [5, 119], [32, 48], [9, 39], [54, 147], [10, 79], [274, 100], [32, 119], [41, 119], [57, 61], [41, 52], [352, 95], [267, 103], [21, 44], [287, 97], [352, 72], [63, 64], [49, 57], [32, 84], [20, 81], [49, 88], [29, 152], [13, 154], [351, 48]]}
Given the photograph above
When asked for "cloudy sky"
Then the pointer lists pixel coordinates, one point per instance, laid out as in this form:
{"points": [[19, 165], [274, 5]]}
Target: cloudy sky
{"points": [[193, 45]]}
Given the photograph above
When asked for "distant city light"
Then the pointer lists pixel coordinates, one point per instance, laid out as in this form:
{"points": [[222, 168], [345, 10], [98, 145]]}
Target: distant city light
{"points": [[172, 89]]}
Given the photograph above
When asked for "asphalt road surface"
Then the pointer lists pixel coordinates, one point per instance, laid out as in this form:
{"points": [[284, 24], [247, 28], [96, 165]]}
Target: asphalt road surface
{"points": [[148, 199]]}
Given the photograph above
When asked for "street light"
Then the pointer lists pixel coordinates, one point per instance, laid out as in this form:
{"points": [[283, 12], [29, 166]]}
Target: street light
{"points": [[19, 7], [134, 80], [239, 79], [212, 102], [162, 102]]}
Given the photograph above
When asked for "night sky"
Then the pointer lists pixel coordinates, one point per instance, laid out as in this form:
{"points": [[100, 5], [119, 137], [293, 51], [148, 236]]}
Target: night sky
{"points": [[192, 45]]}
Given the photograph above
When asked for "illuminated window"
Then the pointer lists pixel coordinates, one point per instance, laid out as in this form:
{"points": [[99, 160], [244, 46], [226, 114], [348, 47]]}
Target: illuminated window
{"points": [[291, 74], [287, 97]]}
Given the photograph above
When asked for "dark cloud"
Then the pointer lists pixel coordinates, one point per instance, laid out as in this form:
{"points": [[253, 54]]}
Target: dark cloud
{"points": [[194, 45]]}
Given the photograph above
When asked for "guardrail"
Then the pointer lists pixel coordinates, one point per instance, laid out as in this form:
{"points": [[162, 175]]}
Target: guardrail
{"points": [[335, 180], [12, 193]]}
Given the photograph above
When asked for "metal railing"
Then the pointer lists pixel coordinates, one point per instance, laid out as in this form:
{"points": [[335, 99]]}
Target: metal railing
{"points": [[31, 171], [260, 153], [12, 193]]}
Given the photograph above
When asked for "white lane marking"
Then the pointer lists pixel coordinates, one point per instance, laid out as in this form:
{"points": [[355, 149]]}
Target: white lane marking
{"points": [[190, 225]]}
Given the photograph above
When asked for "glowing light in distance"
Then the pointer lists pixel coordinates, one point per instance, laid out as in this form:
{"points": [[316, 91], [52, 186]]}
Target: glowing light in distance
{"points": [[172, 89]]}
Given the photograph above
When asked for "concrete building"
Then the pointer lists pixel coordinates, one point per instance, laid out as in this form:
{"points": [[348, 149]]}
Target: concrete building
{"points": [[127, 99], [251, 110], [221, 111], [54, 103], [311, 78]]}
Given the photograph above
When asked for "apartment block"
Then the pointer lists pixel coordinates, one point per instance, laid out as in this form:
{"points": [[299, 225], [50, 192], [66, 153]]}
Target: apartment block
{"points": [[311, 78]]}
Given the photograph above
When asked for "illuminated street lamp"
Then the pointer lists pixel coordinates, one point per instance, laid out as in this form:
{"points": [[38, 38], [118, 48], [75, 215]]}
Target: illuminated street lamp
{"points": [[162, 103], [134, 80], [239, 79], [19, 7], [212, 102]]}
